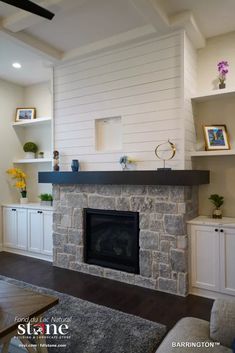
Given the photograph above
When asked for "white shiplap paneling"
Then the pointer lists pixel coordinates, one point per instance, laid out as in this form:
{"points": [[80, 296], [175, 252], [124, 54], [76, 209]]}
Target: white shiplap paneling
{"points": [[139, 82], [190, 79]]}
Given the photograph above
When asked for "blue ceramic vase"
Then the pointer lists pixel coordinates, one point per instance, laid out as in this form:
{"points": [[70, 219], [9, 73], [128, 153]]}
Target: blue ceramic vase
{"points": [[75, 165]]}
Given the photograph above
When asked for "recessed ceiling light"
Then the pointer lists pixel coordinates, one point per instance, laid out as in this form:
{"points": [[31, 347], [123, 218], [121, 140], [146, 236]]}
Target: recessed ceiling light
{"points": [[16, 65]]}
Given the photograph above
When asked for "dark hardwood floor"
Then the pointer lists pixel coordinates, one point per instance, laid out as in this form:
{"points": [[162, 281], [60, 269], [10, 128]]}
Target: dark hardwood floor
{"points": [[152, 305]]}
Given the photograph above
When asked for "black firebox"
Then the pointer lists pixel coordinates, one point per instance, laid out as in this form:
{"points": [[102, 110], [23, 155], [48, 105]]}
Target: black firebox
{"points": [[111, 239]]}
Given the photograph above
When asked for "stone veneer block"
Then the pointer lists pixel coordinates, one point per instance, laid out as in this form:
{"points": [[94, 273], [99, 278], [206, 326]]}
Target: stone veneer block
{"points": [[163, 211]]}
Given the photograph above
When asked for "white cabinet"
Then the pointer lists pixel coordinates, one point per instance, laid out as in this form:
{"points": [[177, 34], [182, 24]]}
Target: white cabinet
{"points": [[227, 259], [9, 227], [205, 264], [47, 243], [35, 227], [15, 228], [28, 231], [212, 249], [40, 231]]}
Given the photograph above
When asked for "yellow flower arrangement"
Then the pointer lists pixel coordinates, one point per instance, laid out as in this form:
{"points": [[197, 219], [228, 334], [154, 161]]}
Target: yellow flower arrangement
{"points": [[20, 177]]}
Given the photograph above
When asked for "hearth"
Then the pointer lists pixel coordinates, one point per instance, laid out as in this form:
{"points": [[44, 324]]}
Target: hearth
{"points": [[111, 239]]}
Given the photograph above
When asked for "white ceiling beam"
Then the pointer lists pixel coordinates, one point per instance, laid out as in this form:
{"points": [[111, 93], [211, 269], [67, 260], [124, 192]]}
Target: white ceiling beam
{"points": [[187, 21], [22, 20], [153, 13], [39, 47]]}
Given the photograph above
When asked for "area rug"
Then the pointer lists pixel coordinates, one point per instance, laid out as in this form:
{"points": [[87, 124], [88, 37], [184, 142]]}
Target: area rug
{"points": [[98, 329]]}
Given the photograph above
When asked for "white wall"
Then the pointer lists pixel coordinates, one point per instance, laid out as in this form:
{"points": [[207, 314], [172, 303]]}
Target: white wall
{"points": [[11, 96], [40, 97], [217, 49], [141, 83], [221, 111]]}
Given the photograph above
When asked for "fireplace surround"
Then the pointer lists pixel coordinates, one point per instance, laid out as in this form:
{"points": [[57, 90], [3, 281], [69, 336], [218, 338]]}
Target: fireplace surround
{"points": [[163, 211]]}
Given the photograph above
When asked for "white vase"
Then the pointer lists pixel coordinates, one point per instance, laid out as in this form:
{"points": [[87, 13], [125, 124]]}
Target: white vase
{"points": [[24, 200], [29, 155]]}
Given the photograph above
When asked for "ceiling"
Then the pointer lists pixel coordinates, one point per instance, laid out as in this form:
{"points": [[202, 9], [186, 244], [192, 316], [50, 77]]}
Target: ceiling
{"points": [[34, 68], [214, 17], [85, 26], [80, 23]]}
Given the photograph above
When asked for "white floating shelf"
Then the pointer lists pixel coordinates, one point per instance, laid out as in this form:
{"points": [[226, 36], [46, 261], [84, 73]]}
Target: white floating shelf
{"points": [[38, 121], [213, 153], [220, 93], [35, 160]]}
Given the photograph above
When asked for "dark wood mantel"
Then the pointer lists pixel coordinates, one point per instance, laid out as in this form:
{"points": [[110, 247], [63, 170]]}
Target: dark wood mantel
{"points": [[140, 177]]}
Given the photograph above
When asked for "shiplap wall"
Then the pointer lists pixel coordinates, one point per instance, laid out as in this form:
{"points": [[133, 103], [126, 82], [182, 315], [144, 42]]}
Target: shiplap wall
{"points": [[142, 83], [189, 91]]}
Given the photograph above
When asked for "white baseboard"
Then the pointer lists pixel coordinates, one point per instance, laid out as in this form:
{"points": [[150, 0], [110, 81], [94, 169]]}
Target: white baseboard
{"points": [[29, 254], [209, 294]]}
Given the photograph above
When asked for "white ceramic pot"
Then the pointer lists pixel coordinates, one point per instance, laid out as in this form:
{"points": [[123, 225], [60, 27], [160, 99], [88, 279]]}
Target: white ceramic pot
{"points": [[29, 155], [24, 200], [46, 203], [217, 213]]}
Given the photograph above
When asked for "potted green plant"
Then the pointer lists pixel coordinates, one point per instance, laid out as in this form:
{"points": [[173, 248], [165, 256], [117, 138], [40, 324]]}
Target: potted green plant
{"points": [[46, 199], [30, 149], [217, 201]]}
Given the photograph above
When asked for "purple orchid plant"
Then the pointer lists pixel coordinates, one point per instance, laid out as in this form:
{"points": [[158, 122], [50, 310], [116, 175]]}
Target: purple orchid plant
{"points": [[223, 70]]}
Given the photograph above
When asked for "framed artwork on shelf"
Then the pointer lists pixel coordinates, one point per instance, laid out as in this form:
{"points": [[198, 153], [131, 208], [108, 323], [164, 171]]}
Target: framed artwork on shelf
{"points": [[216, 137], [25, 114]]}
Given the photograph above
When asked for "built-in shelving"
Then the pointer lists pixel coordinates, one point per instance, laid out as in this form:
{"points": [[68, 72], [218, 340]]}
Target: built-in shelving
{"points": [[38, 121], [212, 153], [220, 93], [35, 160]]}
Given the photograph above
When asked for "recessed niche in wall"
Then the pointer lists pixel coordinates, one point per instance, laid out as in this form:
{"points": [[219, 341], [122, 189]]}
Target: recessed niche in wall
{"points": [[108, 134]]}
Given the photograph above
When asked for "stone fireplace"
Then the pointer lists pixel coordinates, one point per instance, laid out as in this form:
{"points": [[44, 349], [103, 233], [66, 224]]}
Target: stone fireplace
{"points": [[162, 212]]}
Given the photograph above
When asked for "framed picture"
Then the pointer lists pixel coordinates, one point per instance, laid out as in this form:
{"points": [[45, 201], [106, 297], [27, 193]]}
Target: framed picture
{"points": [[25, 114], [216, 137]]}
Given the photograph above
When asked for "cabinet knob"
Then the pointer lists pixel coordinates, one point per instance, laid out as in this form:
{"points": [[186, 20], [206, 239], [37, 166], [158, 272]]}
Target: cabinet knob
{"points": [[13, 209], [40, 212], [221, 230], [216, 230]]}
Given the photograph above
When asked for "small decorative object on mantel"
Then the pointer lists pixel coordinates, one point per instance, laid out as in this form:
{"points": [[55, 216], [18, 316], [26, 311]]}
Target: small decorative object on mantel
{"points": [[30, 149], [75, 165], [216, 137], [125, 162], [41, 155], [20, 182], [165, 151], [223, 70], [46, 199], [25, 114], [217, 201], [56, 161]]}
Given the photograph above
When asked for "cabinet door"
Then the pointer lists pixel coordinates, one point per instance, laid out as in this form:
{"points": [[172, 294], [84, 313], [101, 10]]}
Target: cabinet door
{"points": [[9, 227], [22, 231], [227, 260], [47, 233], [35, 230], [205, 257]]}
